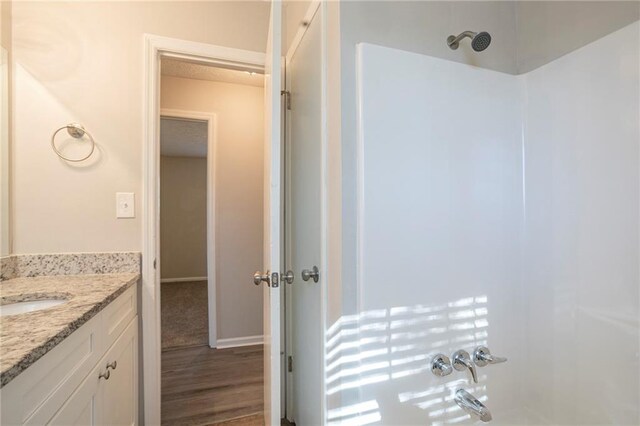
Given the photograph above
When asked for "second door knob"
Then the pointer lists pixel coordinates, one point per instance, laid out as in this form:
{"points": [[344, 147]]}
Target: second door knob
{"points": [[312, 273]]}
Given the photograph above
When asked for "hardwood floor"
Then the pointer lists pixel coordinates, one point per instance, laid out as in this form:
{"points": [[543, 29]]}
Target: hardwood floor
{"points": [[253, 420], [203, 386]]}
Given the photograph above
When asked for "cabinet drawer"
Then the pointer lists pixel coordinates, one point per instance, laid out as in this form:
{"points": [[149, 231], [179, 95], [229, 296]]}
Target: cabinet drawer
{"points": [[117, 316]]}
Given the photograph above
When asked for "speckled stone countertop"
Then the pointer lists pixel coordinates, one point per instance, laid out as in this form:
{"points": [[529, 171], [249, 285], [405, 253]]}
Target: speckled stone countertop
{"points": [[25, 338]]}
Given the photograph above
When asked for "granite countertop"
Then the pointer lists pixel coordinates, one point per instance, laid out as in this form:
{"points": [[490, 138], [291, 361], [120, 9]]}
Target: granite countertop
{"points": [[25, 338]]}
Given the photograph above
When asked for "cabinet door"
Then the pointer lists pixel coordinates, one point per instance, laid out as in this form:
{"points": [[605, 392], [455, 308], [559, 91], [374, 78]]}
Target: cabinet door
{"points": [[119, 394], [83, 407], [112, 400]]}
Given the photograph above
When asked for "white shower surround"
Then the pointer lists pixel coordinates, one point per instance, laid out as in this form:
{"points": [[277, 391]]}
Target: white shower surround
{"points": [[500, 210], [581, 245]]}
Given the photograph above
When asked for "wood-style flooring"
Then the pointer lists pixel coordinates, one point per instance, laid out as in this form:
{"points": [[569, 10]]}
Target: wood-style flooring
{"points": [[203, 386]]}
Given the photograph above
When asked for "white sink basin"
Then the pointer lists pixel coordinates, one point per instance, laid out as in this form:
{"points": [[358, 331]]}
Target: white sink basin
{"points": [[29, 306]]}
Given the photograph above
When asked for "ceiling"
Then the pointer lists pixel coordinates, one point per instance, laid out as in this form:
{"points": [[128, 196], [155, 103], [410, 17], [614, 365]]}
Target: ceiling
{"points": [[173, 68], [181, 137]]}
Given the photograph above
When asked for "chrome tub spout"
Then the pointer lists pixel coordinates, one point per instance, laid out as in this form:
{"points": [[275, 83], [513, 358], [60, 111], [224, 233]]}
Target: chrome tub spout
{"points": [[471, 405]]}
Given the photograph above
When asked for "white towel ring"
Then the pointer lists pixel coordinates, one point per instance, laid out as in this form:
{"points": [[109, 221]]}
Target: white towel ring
{"points": [[76, 131]]}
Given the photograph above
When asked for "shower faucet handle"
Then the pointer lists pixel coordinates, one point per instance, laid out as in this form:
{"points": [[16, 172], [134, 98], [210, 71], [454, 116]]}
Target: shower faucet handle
{"points": [[482, 356], [441, 365], [462, 361]]}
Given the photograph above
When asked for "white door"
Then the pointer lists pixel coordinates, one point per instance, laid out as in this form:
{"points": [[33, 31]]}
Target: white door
{"points": [[304, 217], [272, 217]]}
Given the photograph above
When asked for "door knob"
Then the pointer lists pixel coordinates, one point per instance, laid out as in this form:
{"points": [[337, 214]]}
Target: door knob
{"points": [[287, 277], [482, 356], [314, 274], [441, 365], [259, 278], [462, 361]]}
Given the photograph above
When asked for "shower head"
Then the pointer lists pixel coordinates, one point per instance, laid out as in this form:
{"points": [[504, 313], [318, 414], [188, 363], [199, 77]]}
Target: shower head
{"points": [[479, 41]]}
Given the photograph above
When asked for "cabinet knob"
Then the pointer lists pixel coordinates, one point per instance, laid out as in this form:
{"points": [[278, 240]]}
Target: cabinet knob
{"points": [[105, 375]]}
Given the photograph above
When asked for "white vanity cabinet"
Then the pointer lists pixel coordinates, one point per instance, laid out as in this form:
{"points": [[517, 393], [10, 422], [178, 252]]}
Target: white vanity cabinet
{"points": [[90, 378]]}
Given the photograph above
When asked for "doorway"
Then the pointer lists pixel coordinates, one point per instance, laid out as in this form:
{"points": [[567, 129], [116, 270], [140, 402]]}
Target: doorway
{"points": [[187, 229], [269, 63], [211, 158]]}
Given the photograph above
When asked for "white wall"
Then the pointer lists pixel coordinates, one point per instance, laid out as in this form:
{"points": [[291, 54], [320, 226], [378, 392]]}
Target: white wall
{"points": [[582, 282], [547, 30], [6, 101], [239, 186], [82, 61], [183, 217]]}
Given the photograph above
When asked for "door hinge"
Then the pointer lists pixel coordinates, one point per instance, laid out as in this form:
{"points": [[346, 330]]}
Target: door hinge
{"points": [[275, 282], [290, 364], [154, 264], [287, 98]]}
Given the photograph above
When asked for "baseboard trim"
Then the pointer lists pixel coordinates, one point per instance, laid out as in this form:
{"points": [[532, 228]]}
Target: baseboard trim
{"points": [[182, 280], [235, 342]]}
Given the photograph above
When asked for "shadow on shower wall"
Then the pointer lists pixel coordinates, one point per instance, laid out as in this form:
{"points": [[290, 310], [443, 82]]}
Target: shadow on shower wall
{"points": [[394, 346]]}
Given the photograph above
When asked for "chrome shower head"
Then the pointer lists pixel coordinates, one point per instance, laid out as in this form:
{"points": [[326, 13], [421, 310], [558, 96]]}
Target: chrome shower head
{"points": [[479, 41]]}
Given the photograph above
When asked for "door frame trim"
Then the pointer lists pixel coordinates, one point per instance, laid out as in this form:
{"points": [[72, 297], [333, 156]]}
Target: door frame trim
{"points": [[212, 143], [156, 47], [302, 29]]}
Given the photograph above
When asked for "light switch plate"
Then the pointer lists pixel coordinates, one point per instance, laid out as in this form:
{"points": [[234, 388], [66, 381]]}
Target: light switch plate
{"points": [[125, 205]]}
